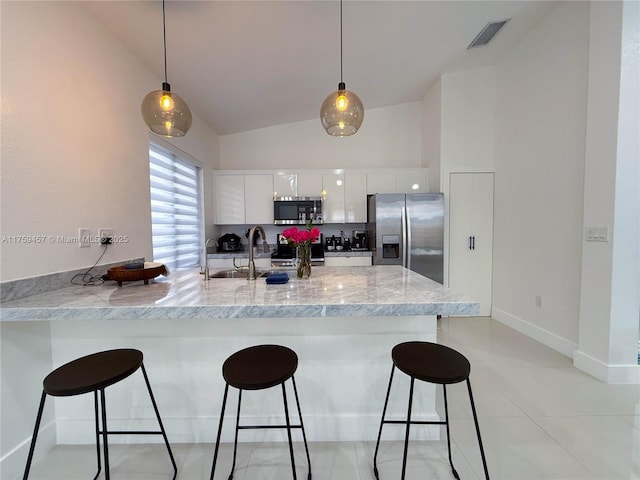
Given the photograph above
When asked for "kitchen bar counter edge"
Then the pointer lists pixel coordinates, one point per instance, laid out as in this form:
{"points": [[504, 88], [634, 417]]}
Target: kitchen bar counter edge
{"points": [[330, 292]]}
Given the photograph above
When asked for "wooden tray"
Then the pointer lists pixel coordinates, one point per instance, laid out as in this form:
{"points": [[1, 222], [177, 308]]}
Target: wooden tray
{"points": [[151, 270]]}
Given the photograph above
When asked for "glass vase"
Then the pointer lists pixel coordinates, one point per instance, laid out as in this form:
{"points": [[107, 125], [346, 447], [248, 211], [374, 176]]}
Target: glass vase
{"points": [[304, 261]]}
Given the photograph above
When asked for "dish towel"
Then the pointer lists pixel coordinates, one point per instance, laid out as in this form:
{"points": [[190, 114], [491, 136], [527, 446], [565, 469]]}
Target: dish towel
{"points": [[281, 277]]}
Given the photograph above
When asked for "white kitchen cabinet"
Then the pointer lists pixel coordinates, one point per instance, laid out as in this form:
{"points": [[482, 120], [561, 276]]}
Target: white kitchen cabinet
{"points": [[355, 197], [229, 199], [258, 195], [345, 261], [285, 185], [471, 236], [411, 181], [310, 185], [333, 204], [381, 183]]}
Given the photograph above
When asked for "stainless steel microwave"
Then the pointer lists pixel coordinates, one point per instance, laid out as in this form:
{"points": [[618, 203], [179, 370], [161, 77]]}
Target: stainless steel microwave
{"points": [[297, 210]]}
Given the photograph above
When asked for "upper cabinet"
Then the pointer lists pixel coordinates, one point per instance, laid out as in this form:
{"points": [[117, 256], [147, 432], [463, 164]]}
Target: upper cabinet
{"points": [[258, 195], [297, 185], [400, 181], [285, 185], [243, 199], [310, 184], [355, 197], [229, 198], [246, 198], [333, 201]]}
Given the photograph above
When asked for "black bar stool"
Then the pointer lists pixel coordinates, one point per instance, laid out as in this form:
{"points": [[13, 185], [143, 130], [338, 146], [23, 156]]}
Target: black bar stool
{"points": [[257, 368], [433, 363], [94, 373]]}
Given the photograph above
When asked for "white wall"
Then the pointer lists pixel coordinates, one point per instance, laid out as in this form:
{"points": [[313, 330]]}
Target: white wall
{"points": [[74, 145], [74, 154], [541, 99], [609, 306], [432, 134], [389, 136]]}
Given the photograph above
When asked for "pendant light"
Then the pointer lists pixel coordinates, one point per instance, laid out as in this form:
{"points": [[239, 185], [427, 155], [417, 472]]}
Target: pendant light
{"points": [[163, 111], [342, 111]]}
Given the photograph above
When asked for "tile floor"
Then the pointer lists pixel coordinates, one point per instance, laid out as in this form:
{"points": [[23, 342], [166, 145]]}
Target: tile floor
{"points": [[540, 419]]}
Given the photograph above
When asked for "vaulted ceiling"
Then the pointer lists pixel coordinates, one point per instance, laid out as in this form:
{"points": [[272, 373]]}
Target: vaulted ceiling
{"points": [[242, 65]]}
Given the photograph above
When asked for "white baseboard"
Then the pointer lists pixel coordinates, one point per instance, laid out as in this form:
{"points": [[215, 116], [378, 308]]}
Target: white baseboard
{"points": [[12, 464], [613, 374], [550, 339]]}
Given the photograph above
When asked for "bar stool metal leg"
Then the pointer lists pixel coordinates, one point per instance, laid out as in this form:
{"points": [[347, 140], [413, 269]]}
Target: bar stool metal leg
{"points": [[446, 417], [406, 436], [235, 442], [215, 451], [384, 411], [35, 436], [96, 425], [104, 435], [475, 419], [288, 423], [162, 430], [304, 435]]}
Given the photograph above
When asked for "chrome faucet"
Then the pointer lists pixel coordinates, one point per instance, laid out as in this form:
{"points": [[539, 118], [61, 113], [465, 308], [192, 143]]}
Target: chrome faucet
{"points": [[252, 265], [206, 262]]}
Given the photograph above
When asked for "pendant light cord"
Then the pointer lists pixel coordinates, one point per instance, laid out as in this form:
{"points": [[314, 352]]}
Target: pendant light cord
{"points": [[341, 79], [164, 43]]}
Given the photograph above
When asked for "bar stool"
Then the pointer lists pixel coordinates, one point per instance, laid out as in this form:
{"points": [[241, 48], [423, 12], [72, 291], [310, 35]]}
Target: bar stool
{"points": [[257, 368], [94, 373], [433, 363]]}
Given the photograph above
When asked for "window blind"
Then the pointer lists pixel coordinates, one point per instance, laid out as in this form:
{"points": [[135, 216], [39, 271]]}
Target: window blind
{"points": [[175, 209]]}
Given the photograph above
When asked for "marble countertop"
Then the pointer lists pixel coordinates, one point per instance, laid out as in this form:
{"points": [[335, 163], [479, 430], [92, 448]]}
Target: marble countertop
{"points": [[330, 292]]}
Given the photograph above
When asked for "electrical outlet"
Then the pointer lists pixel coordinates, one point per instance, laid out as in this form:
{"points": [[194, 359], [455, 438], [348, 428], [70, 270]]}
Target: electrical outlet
{"points": [[539, 301], [84, 237], [105, 235]]}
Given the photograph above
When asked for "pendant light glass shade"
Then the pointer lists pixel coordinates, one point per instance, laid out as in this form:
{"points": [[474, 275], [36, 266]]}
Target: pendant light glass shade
{"points": [[342, 112], [165, 113]]}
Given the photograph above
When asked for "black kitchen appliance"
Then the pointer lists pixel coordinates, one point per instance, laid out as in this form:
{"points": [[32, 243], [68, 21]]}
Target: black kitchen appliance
{"points": [[360, 240], [229, 242], [297, 210]]}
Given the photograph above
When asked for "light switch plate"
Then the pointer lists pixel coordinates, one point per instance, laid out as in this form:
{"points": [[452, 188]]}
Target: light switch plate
{"points": [[597, 234]]}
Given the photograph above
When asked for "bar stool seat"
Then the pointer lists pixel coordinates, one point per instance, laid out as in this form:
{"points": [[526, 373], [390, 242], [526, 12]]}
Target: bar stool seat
{"points": [[432, 363], [257, 368], [94, 373]]}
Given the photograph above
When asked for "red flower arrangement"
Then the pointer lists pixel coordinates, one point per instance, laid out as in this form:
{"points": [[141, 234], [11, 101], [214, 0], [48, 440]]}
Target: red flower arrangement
{"points": [[302, 240], [301, 237]]}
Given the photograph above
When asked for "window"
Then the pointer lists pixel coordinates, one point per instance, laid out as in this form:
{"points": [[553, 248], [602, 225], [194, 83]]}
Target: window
{"points": [[175, 208]]}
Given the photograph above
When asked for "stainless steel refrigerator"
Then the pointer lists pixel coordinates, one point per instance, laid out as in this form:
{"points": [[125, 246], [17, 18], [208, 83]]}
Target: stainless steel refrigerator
{"points": [[408, 230]]}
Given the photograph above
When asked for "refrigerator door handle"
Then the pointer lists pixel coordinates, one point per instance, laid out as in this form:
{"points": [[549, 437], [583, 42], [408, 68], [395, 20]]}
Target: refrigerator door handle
{"points": [[403, 218], [408, 241]]}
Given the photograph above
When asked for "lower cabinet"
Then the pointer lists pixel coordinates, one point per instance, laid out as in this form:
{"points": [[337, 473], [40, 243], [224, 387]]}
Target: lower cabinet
{"points": [[347, 261]]}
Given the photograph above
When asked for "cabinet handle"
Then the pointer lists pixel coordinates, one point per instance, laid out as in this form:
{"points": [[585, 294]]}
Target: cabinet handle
{"points": [[473, 243], [470, 243]]}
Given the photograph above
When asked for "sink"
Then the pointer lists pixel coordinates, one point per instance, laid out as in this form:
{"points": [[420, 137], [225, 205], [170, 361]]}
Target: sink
{"points": [[236, 274]]}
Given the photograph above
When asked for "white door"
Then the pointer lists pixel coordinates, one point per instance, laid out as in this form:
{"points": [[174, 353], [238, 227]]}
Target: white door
{"points": [[471, 236]]}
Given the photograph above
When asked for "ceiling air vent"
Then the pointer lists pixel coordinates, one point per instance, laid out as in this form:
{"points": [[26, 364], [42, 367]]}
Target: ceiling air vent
{"points": [[487, 33]]}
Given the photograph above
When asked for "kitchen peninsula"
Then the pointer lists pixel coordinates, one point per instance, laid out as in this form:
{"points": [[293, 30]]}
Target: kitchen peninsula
{"points": [[342, 322]]}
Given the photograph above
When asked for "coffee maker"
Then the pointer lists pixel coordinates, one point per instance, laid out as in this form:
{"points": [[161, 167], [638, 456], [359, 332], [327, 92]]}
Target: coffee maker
{"points": [[360, 240]]}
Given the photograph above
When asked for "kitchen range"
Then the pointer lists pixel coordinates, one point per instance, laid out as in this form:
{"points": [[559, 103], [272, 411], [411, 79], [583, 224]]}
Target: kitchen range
{"points": [[285, 254]]}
